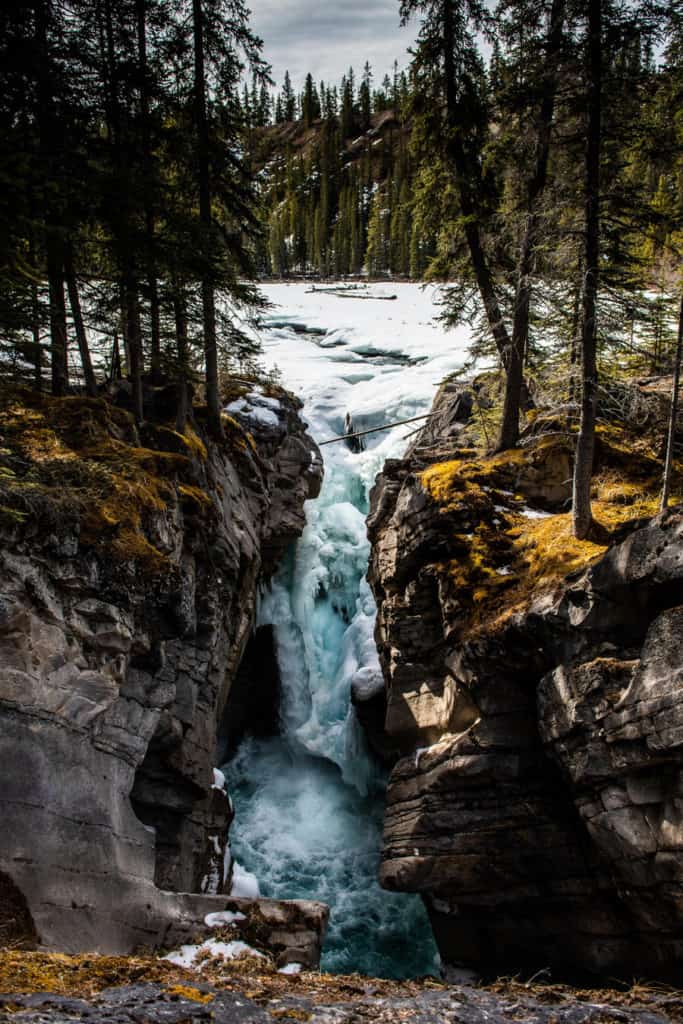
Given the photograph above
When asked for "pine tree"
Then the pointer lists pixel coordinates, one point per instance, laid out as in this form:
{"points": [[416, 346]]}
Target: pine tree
{"points": [[208, 297], [288, 99], [348, 105], [310, 102], [365, 97], [583, 463], [445, 31]]}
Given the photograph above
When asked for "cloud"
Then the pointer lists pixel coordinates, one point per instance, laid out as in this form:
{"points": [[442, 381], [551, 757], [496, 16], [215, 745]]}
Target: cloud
{"points": [[325, 37]]}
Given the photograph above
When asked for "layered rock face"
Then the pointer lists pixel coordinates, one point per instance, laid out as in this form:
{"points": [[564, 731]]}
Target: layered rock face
{"points": [[118, 647], [538, 807]]}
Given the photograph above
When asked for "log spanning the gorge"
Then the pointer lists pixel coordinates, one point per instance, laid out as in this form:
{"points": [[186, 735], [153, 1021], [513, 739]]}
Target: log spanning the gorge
{"points": [[350, 293], [374, 430]]}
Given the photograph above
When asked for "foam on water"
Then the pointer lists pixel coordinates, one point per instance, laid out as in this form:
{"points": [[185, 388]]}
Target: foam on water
{"points": [[309, 803]]}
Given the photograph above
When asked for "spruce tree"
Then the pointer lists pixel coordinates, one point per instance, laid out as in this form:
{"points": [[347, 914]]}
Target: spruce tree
{"points": [[583, 463], [365, 97], [288, 99]]}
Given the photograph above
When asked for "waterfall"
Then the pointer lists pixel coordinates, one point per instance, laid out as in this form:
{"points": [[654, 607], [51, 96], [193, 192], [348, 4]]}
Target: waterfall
{"points": [[309, 802]]}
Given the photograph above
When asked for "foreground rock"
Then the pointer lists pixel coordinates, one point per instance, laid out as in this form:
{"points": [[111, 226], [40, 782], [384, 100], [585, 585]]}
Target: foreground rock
{"points": [[129, 567], [286, 931], [249, 991], [539, 809]]}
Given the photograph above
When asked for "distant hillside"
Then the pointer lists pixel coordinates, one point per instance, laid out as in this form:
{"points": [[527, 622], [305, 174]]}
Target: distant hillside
{"points": [[339, 205]]}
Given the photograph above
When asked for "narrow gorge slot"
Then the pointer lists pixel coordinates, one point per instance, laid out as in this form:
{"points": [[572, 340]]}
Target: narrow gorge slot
{"points": [[309, 801]]}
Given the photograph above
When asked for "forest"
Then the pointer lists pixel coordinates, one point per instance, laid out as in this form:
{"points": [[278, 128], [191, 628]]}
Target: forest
{"points": [[530, 157]]}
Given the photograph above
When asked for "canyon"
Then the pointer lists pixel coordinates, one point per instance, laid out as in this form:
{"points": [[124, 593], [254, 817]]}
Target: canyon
{"points": [[173, 613]]}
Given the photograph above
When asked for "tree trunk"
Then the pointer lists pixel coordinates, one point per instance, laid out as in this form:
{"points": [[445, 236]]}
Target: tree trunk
{"points": [[480, 265], [49, 147], [208, 298], [134, 339], [575, 339], [35, 319], [585, 447], [509, 431], [79, 326], [180, 314], [115, 359], [58, 340], [673, 415], [154, 314], [122, 227], [511, 349], [150, 228]]}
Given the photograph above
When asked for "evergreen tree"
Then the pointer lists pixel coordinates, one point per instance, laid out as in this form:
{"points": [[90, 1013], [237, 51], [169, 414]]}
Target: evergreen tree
{"points": [[348, 105], [447, 30], [310, 102], [365, 97], [288, 99], [583, 464]]}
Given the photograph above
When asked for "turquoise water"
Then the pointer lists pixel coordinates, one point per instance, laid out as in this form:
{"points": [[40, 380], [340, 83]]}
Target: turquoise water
{"points": [[309, 803]]}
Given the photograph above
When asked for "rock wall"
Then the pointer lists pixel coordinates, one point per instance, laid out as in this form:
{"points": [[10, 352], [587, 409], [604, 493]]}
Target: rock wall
{"points": [[118, 647], [538, 804]]}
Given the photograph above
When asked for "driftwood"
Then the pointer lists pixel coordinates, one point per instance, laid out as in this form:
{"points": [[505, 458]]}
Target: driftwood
{"points": [[348, 293]]}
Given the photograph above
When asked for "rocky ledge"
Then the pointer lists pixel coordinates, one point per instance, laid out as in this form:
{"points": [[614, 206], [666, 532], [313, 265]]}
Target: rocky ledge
{"points": [[534, 691], [130, 561], [37, 989]]}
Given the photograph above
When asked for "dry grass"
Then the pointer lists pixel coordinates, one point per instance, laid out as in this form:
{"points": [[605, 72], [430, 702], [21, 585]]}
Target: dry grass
{"points": [[83, 457], [81, 975], [86, 975], [502, 558]]}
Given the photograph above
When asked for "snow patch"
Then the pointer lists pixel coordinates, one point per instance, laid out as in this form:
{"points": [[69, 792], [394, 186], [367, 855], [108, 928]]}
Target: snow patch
{"points": [[253, 410], [534, 513], [244, 884], [194, 957], [291, 969], [223, 917]]}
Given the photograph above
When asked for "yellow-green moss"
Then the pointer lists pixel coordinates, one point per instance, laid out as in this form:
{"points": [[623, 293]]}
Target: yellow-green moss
{"points": [[195, 443], [195, 494], [22, 972], [190, 440], [507, 559], [449, 485], [193, 994], [84, 455], [236, 435], [87, 975]]}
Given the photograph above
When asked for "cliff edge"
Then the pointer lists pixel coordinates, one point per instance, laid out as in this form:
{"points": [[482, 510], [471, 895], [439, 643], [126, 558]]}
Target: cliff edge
{"points": [[534, 692], [130, 564]]}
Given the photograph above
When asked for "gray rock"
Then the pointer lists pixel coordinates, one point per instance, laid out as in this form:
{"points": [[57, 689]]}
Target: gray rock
{"points": [[538, 804], [112, 690], [356, 1002]]}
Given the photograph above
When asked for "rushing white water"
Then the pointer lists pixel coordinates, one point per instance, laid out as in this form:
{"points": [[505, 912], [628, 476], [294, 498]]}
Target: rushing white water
{"points": [[309, 803]]}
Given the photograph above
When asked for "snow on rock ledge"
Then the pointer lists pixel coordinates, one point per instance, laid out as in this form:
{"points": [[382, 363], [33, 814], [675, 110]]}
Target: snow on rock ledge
{"points": [[290, 931]]}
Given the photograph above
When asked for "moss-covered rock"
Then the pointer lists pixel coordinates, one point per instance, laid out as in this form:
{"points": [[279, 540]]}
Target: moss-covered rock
{"points": [[129, 565], [533, 687]]}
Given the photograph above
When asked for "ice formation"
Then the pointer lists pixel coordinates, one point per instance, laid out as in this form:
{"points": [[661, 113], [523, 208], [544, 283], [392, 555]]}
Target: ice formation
{"points": [[308, 803]]}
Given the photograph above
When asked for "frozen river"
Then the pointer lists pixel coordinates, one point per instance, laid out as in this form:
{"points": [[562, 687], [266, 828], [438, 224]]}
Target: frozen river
{"points": [[309, 803]]}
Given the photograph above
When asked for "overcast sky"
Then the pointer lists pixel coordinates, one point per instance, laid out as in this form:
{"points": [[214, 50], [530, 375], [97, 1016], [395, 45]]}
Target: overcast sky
{"points": [[326, 36]]}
